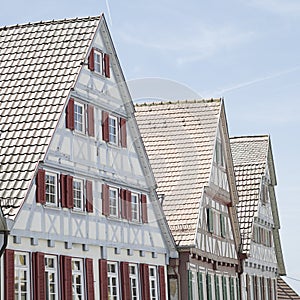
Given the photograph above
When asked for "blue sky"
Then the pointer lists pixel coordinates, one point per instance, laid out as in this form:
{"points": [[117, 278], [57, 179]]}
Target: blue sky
{"points": [[246, 51]]}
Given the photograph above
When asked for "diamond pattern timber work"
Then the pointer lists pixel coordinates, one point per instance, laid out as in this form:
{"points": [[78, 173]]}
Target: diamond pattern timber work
{"points": [[39, 63], [179, 138]]}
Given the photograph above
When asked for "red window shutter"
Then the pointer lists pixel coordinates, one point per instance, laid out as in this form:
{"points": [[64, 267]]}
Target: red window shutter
{"points": [[91, 61], [41, 186], [9, 274], [105, 128], [162, 282], [91, 120], [105, 199], [123, 133], [89, 279], [144, 272], [103, 279], [128, 204], [144, 208], [70, 114], [123, 204], [38, 260], [66, 276], [69, 192], [125, 282], [63, 197], [106, 65], [89, 196]]}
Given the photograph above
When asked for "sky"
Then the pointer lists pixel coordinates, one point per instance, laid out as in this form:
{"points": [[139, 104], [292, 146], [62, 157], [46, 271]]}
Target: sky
{"points": [[246, 51]]}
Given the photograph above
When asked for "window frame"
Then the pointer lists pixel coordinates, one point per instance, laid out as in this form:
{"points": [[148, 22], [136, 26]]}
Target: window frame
{"points": [[135, 207], [111, 287], [153, 280], [210, 219], [54, 272], [134, 277], [18, 282], [98, 63], [79, 273], [55, 186], [77, 200], [76, 122], [113, 138], [116, 206]]}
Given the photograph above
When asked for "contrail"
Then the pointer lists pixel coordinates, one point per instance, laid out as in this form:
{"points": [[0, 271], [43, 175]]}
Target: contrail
{"points": [[108, 11]]}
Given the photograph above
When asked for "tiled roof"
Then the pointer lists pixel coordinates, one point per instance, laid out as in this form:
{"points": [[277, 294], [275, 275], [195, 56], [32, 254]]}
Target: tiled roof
{"points": [[284, 291], [249, 159], [39, 63], [179, 138]]}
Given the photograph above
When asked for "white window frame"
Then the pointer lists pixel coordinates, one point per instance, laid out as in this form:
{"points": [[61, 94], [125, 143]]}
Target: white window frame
{"points": [[113, 202], [22, 269], [78, 201], [98, 62], [113, 281], [219, 156], [135, 207], [79, 126], [153, 283], [134, 282], [51, 274], [113, 132], [77, 273], [51, 196]]}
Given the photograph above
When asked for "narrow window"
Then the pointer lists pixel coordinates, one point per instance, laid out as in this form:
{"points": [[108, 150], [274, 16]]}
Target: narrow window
{"points": [[77, 279], [98, 62], [153, 283], [79, 117], [210, 219], [134, 282], [113, 284], [22, 276], [209, 287], [224, 287], [51, 188], [200, 286], [222, 226], [113, 202], [51, 277], [135, 209], [78, 194], [231, 288], [217, 287], [113, 129]]}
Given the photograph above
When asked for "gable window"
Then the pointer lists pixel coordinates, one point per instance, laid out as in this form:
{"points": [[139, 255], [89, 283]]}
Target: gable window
{"points": [[51, 188], [77, 279], [78, 194], [79, 117], [222, 225], [153, 283], [22, 276], [210, 219], [134, 282], [113, 284], [98, 61], [135, 212], [113, 129], [113, 202], [51, 277], [219, 158]]}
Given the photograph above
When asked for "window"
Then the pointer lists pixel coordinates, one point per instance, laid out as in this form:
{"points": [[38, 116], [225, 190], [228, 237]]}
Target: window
{"points": [[113, 291], [113, 129], [200, 286], [22, 276], [51, 188], [224, 288], [219, 158], [77, 279], [98, 61], [217, 287], [113, 202], [51, 277], [153, 283], [79, 117], [135, 207], [78, 194], [134, 282], [210, 219], [222, 225], [209, 286]]}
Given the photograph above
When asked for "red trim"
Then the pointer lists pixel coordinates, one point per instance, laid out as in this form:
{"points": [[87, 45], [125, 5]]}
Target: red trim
{"points": [[105, 128], [91, 60], [89, 196], [162, 282], [144, 272], [9, 274], [125, 281], [69, 191], [70, 114], [128, 205], [91, 120], [66, 276], [63, 190], [90, 279], [41, 186], [123, 204], [105, 199], [106, 65], [144, 208], [103, 279], [38, 259], [123, 133]]}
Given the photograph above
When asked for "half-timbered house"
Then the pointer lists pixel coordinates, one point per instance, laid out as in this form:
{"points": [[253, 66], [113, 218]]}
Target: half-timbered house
{"points": [[76, 187], [188, 146], [258, 217]]}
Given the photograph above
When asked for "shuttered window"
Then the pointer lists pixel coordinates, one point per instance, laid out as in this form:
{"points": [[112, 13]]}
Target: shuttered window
{"points": [[145, 284], [89, 196], [99, 62], [78, 290], [217, 287], [209, 287], [89, 272], [135, 207], [38, 260], [103, 279], [144, 208], [200, 286], [134, 282], [41, 187], [9, 273], [105, 126], [224, 287], [67, 196], [210, 219], [113, 280], [66, 277], [70, 114], [125, 280], [105, 199], [22, 276], [222, 226]]}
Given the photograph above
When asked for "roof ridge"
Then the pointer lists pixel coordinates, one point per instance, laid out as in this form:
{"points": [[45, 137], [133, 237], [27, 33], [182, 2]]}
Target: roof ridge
{"points": [[244, 137], [58, 21], [168, 102]]}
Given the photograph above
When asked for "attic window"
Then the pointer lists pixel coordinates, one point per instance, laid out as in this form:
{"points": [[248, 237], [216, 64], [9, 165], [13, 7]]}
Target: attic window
{"points": [[99, 62]]}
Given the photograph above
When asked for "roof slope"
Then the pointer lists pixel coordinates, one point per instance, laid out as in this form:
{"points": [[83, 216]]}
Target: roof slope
{"points": [[249, 159], [39, 63], [284, 291], [179, 138]]}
